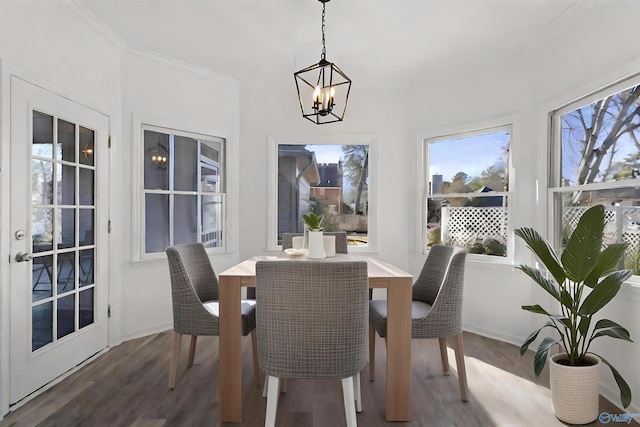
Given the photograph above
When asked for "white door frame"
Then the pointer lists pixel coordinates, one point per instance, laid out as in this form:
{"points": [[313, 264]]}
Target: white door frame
{"points": [[6, 72]]}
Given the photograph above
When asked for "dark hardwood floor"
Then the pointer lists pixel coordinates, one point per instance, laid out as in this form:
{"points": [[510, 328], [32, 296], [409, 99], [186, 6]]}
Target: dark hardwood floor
{"points": [[127, 386]]}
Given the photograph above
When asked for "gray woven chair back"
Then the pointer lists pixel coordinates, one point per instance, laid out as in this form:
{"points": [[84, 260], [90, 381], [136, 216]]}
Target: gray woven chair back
{"points": [[312, 318], [445, 317], [193, 282], [341, 240]]}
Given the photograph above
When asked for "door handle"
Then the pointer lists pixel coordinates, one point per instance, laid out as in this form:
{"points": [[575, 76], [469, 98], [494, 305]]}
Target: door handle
{"points": [[23, 257]]}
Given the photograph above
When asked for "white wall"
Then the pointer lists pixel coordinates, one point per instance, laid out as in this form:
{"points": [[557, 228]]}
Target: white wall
{"points": [[585, 50], [164, 93], [371, 110]]}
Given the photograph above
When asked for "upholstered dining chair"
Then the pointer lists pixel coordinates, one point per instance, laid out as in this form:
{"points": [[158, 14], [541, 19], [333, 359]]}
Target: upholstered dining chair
{"points": [[312, 323], [194, 295], [436, 308]]}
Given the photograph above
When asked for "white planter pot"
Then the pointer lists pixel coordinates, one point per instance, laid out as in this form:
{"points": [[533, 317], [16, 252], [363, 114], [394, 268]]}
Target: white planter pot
{"points": [[575, 390], [316, 245]]}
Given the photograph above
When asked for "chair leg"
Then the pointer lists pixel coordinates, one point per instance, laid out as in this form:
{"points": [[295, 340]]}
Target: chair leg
{"points": [[372, 352], [173, 367], [443, 355], [256, 364], [272, 401], [349, 402], [283, 386], [192, 350], [462, 371], [357, 392]]}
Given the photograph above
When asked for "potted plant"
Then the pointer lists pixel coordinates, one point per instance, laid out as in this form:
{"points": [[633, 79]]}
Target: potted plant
{"points": [[316, 240], [582, 280]]}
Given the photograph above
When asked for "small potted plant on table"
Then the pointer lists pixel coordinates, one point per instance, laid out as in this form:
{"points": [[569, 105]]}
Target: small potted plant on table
{"points": [[316, 241]]}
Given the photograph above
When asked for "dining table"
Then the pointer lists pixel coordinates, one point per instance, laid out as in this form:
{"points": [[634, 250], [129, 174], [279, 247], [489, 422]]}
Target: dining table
{"points": [[381, 275]]}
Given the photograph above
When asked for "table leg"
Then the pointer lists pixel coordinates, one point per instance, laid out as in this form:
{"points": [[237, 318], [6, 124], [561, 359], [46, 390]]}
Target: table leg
{"points": [[399, 349], [230, 366]]}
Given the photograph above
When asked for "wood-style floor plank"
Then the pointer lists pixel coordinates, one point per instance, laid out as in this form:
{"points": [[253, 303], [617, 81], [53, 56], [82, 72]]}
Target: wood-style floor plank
{"points": [[128, 386]]}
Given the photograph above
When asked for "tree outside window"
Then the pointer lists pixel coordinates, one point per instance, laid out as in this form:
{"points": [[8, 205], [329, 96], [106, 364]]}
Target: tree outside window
{"points": [[331, 180], [467, 191], [597, 160]]}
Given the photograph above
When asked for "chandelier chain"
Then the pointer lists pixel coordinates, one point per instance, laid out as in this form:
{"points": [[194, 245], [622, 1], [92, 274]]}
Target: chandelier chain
{"points": [[324, 49]]}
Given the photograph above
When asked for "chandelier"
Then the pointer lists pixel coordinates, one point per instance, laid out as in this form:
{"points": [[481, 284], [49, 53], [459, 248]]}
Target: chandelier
{"points": [[323, 89]]}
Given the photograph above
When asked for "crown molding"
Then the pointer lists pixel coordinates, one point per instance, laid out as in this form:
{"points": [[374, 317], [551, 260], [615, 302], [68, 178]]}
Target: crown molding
{"points": [[88, 20], [159, 59]]}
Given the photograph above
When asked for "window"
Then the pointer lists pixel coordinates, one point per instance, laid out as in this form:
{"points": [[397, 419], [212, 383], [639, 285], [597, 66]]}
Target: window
{"points": [[328, 175], [596, 161], [466, 191], [183, 195]]}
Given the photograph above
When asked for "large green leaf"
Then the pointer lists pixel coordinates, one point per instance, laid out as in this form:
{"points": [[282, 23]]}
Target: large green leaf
{"points": [[607, 262], [536, 309], [625, 391], [562, 319], [542, 281], [609, 328], [604, 292], [543, 251], [540, 358], [581, 254], [532, 336]]}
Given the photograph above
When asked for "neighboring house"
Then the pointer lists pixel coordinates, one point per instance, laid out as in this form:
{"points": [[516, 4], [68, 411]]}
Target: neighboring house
{"points": [[297, 171], [328, 192]]}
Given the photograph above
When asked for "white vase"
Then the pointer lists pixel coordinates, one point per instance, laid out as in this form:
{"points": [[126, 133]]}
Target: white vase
{"points": [[575, 390], [316, 245]]}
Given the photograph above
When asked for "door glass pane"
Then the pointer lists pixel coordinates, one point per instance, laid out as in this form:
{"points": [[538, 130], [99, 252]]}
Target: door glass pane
{"points": [[63, 181], [87, 307], [42, 182], [66, 141], [86, 262], [66, 272], [86, 227], [185, 164], [65, 228], [156, 160], [66, 185], [86, 186], [41, 325], [42, 229], [42, 135], [41, 268], [87, 142], [185, 224], [156, 222], [66, 315]]}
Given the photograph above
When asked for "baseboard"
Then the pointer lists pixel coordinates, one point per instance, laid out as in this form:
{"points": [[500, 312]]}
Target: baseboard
{"points": [[132, 335], [493, 334]]}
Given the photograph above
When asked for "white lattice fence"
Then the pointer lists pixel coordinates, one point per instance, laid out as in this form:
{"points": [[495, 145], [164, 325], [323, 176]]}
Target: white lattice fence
{"points": [[463, 226], [620, 221]]}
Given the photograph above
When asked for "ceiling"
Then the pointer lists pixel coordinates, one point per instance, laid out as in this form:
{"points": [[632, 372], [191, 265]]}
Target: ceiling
{"points": [[374, 42]]}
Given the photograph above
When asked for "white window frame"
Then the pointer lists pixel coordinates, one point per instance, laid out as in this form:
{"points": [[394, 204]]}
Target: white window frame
{"points": [[555, 189], [140, 123], [511, 123], [274, 140]]}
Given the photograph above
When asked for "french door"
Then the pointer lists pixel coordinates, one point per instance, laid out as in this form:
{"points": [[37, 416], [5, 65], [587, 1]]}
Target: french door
{"points": [[58, 276]]}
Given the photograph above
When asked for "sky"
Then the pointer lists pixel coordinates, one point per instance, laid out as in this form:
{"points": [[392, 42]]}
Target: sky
{"points": [[470, 155]]}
